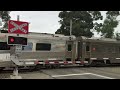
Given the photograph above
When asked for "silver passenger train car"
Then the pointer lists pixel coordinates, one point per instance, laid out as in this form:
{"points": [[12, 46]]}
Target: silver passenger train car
{"points": [[47, 50], [42, 49]]}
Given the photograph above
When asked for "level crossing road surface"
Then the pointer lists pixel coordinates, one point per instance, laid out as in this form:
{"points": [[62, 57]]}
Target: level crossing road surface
{"points": [[70, 73]]}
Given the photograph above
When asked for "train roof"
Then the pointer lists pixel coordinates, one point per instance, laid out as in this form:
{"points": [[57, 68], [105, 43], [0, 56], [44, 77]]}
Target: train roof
{"points": [[40, 36], [96, 39]]}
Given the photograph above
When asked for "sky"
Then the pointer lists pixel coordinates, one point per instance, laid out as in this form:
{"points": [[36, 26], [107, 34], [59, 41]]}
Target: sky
{"points": [[44, 21], [40, 21]]}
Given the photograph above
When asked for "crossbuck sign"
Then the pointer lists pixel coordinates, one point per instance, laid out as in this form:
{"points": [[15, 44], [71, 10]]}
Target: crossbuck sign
{"points": [[18, 27]]}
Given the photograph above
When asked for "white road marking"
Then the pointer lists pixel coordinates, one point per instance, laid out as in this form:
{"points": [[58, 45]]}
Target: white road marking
{"points": [[69, 75], [101, 76], [83, 74]]}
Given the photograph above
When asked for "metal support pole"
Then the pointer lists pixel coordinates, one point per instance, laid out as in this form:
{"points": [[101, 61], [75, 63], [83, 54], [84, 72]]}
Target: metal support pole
{"points": [[18, 19], [15, 71], [70, 27]]}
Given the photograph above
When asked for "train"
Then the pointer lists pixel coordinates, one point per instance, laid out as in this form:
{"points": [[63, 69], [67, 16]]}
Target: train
{"points": [[54, 50]]}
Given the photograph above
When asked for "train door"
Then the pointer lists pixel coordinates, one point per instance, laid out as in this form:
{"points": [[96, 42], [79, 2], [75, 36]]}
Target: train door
{"points": [[70, 50], [83, 51], [79, 50], [87, 50]]}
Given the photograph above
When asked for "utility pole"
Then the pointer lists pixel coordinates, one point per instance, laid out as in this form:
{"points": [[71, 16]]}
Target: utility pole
{"points": [[70, 27], [18, 19]]}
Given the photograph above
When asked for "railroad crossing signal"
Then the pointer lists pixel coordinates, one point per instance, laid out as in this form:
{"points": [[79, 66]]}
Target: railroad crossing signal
{"points": [[18, 27], [13, 40]]}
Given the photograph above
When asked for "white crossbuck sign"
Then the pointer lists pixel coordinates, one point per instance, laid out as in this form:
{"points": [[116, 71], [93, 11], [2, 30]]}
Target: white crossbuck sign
{"points": [[20, 27]]}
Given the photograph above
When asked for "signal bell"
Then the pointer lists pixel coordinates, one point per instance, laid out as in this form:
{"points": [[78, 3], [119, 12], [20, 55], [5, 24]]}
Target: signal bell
{"points": [[13, 40]]}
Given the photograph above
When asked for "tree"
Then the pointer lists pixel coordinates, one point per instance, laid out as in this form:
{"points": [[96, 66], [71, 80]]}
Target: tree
{"points": [[107, 28], [5, 17], [82, 22]]}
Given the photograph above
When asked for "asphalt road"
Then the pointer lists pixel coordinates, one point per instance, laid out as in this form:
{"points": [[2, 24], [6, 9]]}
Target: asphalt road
{"points": [[71, 73]]}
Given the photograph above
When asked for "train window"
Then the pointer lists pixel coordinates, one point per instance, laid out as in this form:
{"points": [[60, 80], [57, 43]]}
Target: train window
{"points": [[116, 49], [68, 59], [43, 46], [113, 50], [4, 46], [87, 48], [69, 47], [110, 49], [28, 47], [119, 49], [104, 49]]}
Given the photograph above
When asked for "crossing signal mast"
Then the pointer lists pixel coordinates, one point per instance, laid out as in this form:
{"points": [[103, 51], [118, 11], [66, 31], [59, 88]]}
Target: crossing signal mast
{"points": [[17, 27]]}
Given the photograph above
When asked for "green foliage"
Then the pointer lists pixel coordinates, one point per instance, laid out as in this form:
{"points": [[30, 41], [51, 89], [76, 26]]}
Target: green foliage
{"points": [[82, 22], [5, 17], [107, 28], [117, 36]]}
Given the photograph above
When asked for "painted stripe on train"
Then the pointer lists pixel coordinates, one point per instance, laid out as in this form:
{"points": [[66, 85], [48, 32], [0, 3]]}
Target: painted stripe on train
{"points": [[78, 62], [29, 62], [51, 62], [61, 62], [93, 58], [85, 61], [52, 58], [41, 62], [69, 61], [117, 58], [105, 58]]}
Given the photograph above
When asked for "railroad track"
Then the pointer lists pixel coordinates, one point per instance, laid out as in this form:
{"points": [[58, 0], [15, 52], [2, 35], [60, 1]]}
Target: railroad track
{"points": [[5, 74], [10, 70]]}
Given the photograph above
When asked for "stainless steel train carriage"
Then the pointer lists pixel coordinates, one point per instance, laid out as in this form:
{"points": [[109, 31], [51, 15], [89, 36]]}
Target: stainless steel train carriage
{"points": [[54, 50], [42, 50], [99, 51], [51, 50]]}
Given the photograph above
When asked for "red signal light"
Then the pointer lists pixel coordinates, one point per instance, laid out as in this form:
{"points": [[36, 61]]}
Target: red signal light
{"points": [[12, 39], [94, 49]]}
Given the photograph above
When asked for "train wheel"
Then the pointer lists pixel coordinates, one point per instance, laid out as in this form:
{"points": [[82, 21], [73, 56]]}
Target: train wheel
{"points": [[86, 65], [48, 66], [52, 66], [92, 64], [38, 67], [57, 66], [31, 68], [1, 68]]}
